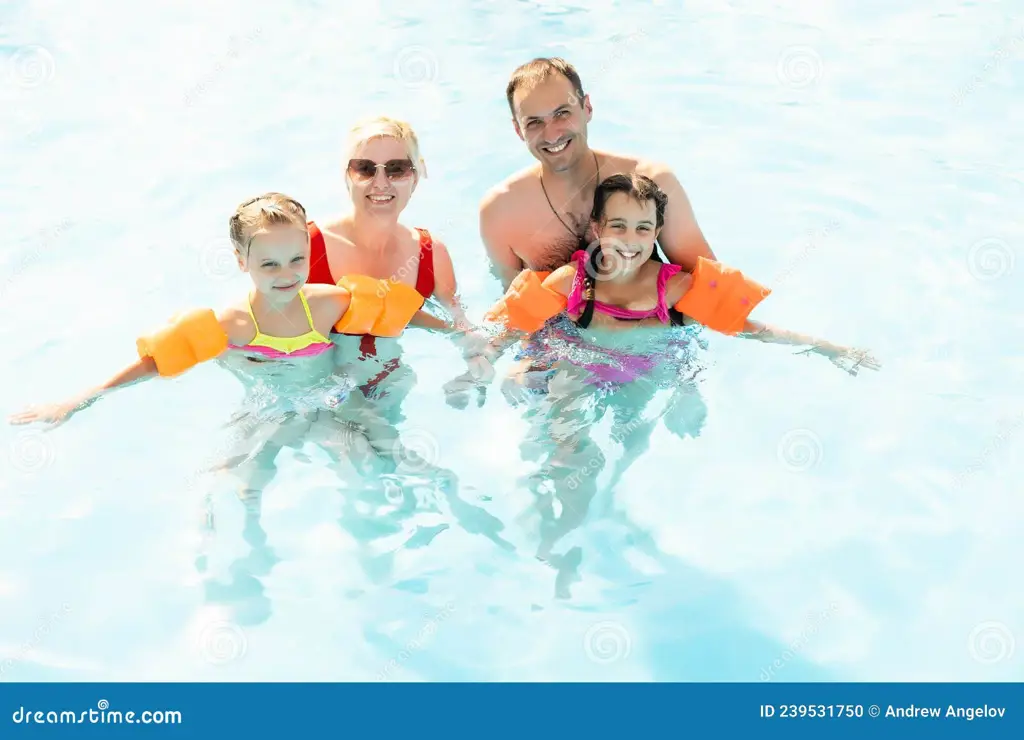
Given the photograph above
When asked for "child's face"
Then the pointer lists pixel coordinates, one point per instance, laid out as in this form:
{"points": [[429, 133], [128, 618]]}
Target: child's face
{"points": [[278, 260], [627, 232]]}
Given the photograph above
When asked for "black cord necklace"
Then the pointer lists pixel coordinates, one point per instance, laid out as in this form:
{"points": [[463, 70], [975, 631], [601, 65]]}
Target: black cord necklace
{"points": [[551, 205]]}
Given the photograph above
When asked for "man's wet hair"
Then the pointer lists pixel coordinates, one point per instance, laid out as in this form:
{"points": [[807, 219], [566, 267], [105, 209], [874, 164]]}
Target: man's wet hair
{"points": [[538, 70]]}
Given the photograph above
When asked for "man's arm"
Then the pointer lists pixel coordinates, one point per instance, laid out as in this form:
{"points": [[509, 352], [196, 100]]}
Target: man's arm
{"points": [[681, 237], [505, 263]]}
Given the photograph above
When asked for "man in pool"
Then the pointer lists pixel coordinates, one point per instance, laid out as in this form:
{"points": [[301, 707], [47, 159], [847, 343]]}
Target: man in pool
{"points": [[536, 217]]}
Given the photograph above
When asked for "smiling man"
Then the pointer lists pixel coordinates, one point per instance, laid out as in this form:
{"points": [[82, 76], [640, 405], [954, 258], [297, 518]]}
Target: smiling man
{"points": [[536, 218]]}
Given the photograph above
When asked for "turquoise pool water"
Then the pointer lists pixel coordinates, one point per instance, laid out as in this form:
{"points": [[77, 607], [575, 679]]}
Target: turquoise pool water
{"points": [[863, 159]]}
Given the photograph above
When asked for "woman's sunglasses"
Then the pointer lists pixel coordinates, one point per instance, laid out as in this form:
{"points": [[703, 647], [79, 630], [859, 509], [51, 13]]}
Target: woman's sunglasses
{"points": [[394, 169]]}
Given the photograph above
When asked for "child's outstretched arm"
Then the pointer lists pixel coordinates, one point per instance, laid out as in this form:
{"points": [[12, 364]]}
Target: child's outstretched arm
{"points": [[722, 298], [185, 342], [57, 413], [849, 359]]}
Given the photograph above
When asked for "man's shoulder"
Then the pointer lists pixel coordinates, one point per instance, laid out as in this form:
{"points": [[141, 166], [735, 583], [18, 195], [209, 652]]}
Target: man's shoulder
{"points": [[624, 161], [501, 199], [652, 168]]}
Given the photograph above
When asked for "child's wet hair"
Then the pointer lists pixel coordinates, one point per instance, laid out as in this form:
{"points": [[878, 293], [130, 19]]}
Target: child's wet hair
{"points": [[641, 189], [269, 209]]}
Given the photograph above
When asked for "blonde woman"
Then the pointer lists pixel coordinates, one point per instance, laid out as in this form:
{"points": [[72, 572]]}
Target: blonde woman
{"points": [[383, 167]]}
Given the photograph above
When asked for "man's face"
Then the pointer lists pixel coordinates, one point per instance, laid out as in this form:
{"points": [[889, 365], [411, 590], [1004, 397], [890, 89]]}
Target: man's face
{"points": [[552, 120]]}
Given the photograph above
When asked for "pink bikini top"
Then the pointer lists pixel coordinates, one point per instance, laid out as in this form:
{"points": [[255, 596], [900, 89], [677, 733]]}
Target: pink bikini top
{"points": [[577, 301]]}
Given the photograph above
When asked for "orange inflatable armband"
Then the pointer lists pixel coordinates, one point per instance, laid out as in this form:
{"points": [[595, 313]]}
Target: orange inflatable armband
{"points": [[720, 298], [188, 339], [528, 303], [377, 307]]}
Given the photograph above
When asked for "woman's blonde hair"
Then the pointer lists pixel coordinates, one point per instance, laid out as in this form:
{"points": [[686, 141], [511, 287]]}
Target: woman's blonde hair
{"points": [[372, 128], [265, 210]]}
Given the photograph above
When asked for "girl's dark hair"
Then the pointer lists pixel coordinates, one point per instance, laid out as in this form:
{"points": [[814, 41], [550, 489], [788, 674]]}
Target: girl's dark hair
{"points": [[642, 189]]}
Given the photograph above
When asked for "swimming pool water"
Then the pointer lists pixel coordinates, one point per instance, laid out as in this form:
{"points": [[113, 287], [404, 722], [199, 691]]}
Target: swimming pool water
{"points": [[788, 523]]}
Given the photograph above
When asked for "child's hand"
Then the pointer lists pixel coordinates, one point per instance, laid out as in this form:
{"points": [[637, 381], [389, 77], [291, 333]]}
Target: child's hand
{"points": [[848, 359], [480, 368], [54, 413], [479, 371], [457, 390], [523, 381]]}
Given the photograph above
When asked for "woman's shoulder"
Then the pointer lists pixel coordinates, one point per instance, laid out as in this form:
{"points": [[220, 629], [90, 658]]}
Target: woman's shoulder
{"points": [[334, 229]]}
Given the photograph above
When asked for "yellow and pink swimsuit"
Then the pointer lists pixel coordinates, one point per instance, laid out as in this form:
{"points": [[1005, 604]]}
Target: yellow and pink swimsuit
{"points": [[305, 345]]}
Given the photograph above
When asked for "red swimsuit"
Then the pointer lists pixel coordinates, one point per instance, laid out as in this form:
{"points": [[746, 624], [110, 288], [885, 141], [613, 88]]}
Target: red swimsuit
{"points": [[320, 273]]}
